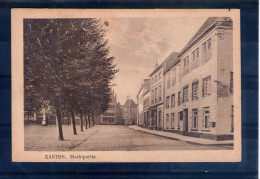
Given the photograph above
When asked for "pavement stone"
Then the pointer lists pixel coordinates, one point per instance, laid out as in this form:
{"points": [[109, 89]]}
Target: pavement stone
{"points": [[187, 139]]}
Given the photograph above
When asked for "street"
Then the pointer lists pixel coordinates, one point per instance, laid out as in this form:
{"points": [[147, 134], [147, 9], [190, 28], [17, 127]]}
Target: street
{"points": [[122, 138]]}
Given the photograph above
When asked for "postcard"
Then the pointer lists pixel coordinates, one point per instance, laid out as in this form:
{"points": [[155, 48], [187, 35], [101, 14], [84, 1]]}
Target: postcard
{"points": [[126, 85]]}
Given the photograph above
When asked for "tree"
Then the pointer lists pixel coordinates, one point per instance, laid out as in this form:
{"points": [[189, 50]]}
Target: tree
{"points": [[67, 64]]}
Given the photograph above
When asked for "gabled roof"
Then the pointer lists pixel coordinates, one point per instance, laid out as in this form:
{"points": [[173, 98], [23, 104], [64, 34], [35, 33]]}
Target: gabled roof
{"points": [[211, 21], [159, 67], [130, 103], [171, 60]]}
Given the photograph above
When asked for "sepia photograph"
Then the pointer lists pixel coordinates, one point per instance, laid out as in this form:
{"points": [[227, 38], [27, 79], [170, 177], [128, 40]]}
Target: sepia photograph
{"points": [[126, 85]]}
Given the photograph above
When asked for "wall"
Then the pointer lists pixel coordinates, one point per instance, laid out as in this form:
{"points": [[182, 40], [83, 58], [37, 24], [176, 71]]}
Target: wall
{"points": [[225, 66]]}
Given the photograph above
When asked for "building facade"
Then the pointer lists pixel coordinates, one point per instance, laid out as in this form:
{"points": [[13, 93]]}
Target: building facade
{"points": [[146, 106], [109, 116], [156, 92], [192, 92], [140, 113], [130, 112], [200, 103], [142, 101]]}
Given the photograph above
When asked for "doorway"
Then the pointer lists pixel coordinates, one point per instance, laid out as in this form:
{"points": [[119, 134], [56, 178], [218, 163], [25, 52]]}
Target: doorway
{"points": [[186, 122]]}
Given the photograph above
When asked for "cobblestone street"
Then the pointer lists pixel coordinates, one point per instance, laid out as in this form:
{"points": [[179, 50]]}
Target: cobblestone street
{"points": [[114, 137], [104, 138]]}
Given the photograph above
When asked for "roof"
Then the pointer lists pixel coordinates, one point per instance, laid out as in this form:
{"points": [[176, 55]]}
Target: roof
{"points": [[171, 60], [211, 21], [159, 67], [130, 103]]}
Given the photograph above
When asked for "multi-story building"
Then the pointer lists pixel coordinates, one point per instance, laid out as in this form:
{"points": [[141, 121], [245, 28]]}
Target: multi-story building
{"points": [[130, 112], [140, 114], [109, 116], [156, 112], [156, 92], [199, 84], [172, 78], [146, 105], [142, 102]]}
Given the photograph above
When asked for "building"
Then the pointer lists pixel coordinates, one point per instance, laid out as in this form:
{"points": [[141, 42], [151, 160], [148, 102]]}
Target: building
{"points": [[141, 102], [171, 88], [146, 102], [199, 84], [157, 95], [156, 107], [191, 92], [140, 114], [109, 116], [130, 112]]}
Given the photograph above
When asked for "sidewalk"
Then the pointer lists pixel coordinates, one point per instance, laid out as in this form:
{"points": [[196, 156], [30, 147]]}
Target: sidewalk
{"points": [[179, 137], [45, 138]]}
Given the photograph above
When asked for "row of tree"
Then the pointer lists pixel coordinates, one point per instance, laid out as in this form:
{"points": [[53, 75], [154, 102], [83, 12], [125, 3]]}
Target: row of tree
{"points": [[67, 66]]}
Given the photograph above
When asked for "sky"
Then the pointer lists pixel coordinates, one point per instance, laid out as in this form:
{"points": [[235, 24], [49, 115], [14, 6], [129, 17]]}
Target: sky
{"points": [[137, 43]]}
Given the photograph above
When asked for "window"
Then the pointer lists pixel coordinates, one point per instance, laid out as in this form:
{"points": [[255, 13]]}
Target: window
{"points": [[179, 98], [168, 80], [195, 90], [206, 118], [160, 75], [185, 94], [193, 55], [204, 47], [109, 114], [231, 83], [152, 96], [209, 44], [173, 77], [160, 93], [232, 118], [197, 52], [172, 120], [167, 101], [186, 62], [173, 100], [152, 80], [155, 95], [195, 118], [167, 121], [206, 86], [186, 65], [155, 78]]}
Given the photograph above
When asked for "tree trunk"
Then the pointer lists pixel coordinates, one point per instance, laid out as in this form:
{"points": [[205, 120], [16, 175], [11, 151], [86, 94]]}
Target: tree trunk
{"points": [[60, 135], [93, 120], [81, 122], [73, 123], [86, 121], [89, 120], [28, 118]]}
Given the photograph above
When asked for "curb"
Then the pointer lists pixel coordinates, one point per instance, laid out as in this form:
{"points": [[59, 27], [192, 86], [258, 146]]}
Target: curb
{"points": [[173, 138]]}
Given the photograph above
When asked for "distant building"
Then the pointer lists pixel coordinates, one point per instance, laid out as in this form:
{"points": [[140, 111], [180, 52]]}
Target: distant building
{"points": [[109, 116], [130, 112], [114, 114], [142, 101]]}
